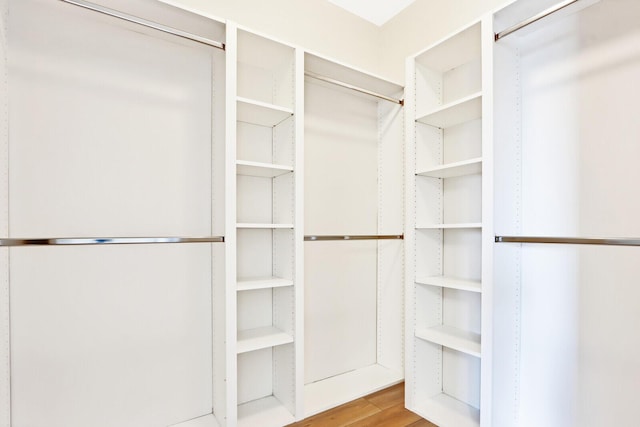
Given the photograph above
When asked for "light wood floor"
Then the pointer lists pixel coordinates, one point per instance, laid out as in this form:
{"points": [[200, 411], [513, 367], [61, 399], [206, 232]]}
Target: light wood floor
{"points": [[382, 409]]}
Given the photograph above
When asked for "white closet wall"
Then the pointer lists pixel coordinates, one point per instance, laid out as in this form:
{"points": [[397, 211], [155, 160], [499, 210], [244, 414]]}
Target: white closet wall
{"points": [[353, 289], [114, 131], [566, 145]]}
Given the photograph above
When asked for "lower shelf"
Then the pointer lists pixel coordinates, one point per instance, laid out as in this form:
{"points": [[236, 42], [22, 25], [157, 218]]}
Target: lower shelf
{"points": [[457, 339], [445, 411], [334, 391], [204, 421], [249, 284], [265, 412], [259, 338]]}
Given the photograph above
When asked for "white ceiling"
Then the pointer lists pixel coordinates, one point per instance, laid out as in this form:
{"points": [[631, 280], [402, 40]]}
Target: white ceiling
{"points": [[376, 11]]}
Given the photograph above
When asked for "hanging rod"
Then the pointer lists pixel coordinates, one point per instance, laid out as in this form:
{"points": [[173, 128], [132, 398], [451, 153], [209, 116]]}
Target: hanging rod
{"points": [[145, 23], [359, 237], [570, 240], [535, 18], [64, 241], [352, 87]]}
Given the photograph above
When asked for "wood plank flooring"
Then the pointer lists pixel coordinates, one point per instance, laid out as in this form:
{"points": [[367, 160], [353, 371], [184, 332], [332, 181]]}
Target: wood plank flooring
{"points": [[381, 409]]}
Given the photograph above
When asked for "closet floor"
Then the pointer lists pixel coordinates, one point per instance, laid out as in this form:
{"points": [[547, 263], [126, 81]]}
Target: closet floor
{"points": [[384, 408]]}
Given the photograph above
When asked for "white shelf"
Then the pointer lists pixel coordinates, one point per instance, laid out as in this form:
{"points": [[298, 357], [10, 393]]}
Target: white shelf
{"points": [[259, 226], [451, 170], [265, 412], [449, 226], [253, 283], [451, 283], [333, 391], [454, 338], [259, 338], [454, 51], [266, 170], [205, 421], [454, 113], [261, 113], [445, 411]]}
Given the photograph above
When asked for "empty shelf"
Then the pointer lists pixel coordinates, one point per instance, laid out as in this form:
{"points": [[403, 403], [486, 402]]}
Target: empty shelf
{"points": [[451, 283], [454, 113], [451, 170], [257, 225], [261, 113], [444, 226], [445, 410], [454, 338], [259, 338], [265, 412], [248, 284], [266, 170]]}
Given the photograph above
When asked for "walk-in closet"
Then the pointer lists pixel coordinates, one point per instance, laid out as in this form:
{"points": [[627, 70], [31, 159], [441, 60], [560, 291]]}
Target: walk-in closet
{"points": [[245, 214]]}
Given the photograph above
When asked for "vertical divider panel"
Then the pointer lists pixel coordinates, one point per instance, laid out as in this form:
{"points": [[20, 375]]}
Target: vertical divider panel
{"points": [[5, 341], [231, 388], [411, 362], [219, 227], [298, 245], [486, 386]]}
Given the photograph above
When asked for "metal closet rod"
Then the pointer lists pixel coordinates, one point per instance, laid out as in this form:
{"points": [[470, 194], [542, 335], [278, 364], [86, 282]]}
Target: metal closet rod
{"points": [[352, 87], [570, 240], [535, 18], [64, 241], [146, 23], [356, 237]]}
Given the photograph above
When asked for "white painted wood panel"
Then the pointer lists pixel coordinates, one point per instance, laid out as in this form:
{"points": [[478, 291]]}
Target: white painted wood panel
{"points": [[575, 177], [113, 331], [91, 166], [341, 170]]}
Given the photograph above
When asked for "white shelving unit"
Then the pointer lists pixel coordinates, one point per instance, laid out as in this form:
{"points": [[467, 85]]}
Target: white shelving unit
{"points": [[354, 177], [264, 150], [447, 231]]}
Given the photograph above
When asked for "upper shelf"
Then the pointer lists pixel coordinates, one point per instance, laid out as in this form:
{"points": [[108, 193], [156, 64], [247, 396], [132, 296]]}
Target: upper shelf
{"points": [[454, 113], [451, 170], [267, 170], [453, 51], [261, 113]]}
